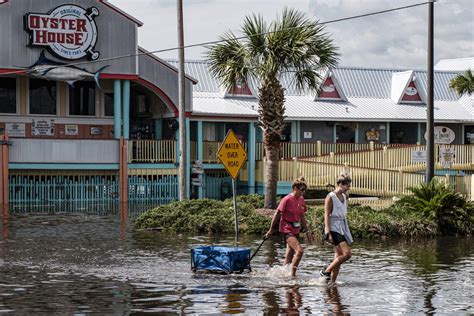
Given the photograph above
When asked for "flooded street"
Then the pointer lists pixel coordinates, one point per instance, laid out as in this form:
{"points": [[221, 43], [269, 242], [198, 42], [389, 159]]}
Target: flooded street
{"points": [[93, 262]]}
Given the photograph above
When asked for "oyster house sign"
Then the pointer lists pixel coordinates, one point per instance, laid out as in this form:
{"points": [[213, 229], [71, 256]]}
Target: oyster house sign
{"points": [[68, 31]]}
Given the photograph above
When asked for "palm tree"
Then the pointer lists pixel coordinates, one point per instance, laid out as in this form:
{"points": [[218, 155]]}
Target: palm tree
{"points": [[292, 46], [463, 83]]}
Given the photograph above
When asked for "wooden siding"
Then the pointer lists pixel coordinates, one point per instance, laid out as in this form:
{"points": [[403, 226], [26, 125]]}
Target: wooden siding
{"points": [[63, 151]]}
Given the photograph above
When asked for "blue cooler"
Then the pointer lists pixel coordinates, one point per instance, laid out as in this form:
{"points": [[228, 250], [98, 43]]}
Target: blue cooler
{"points": [[220, 259]]}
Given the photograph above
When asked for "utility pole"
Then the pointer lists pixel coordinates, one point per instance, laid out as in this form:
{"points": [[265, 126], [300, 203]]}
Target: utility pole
{"points": [[182, 107], [429, 105]]}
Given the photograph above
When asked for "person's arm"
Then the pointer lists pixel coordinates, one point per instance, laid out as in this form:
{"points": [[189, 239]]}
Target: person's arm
{"points": [[327, 213], [274, 220], [280, 210]]}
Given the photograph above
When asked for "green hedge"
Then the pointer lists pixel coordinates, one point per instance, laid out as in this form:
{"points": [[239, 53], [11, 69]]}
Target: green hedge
{"points": [[211, 216]]}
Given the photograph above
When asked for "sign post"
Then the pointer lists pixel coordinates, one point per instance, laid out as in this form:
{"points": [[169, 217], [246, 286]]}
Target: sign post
{"points": [[232, 155]]}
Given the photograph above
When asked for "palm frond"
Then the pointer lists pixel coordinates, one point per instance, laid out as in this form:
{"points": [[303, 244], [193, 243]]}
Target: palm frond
{"points": [[463, 83]]}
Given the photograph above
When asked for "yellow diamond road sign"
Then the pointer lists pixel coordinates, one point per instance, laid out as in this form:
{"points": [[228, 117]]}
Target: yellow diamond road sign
{"points": [[232, 154]]}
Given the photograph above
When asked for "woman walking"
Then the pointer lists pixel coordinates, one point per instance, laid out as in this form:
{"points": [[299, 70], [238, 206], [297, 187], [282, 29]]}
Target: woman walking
{"points": [[336, 228], [292, 208]]}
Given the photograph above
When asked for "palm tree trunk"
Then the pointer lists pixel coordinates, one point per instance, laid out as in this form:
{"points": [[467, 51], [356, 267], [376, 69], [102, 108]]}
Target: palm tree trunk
{"points": [[271, 114], [271, 175]]}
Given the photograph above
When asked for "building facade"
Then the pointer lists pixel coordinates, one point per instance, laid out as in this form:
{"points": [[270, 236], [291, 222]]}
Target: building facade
{"points": [[92, 117]]}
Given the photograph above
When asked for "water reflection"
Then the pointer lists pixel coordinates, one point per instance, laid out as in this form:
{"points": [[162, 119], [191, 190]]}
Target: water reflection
{"points": [[332, 297], [93, 262]]}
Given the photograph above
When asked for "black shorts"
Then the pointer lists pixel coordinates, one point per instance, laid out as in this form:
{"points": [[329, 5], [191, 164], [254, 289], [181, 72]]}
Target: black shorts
{"points": [[337, 238]]}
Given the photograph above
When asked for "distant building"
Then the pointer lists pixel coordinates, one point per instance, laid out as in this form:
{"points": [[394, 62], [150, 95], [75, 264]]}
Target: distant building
{"points": [[456, 64]]}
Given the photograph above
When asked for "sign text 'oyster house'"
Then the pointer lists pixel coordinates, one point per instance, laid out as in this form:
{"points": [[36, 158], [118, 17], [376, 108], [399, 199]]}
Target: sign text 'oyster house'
{"points": [[68, 31]]}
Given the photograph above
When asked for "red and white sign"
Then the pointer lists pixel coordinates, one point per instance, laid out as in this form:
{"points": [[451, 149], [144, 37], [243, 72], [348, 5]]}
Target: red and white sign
{"points": [[68, 31], [411, 93], [328, 90]]}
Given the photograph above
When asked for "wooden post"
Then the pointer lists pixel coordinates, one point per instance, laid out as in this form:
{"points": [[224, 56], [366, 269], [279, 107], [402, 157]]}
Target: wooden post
{"points": [[295, 168], [123, 171], [372, 145], [384, 158], [400, 181], [4, 169], [472, 187], [318, 148]]}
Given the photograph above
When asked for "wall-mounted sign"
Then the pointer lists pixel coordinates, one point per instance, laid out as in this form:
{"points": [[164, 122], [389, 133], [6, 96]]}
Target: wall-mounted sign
{"points": [[447, 156], [411, 91], [96, 130], [71, 130], [418, 156], [442, 135], [42, 127], [68, 31], [307, 135], [15, 129], [372, 135], [197, 167], [329, 88]]}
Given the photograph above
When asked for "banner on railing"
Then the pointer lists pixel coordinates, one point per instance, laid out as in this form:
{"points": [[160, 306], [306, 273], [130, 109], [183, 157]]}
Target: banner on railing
{"points": [[447, 156], [418, 156]]}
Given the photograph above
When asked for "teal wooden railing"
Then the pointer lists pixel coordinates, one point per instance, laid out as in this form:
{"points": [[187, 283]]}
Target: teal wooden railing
{"points": [[59, 189], [153, 190]]}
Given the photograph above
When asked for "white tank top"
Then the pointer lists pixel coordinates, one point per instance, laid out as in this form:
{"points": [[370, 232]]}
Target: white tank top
{"points": [[338, 217]]}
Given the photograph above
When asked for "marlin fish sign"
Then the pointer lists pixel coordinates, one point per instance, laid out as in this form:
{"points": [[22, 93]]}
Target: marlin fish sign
{"points": [[48, 69]]}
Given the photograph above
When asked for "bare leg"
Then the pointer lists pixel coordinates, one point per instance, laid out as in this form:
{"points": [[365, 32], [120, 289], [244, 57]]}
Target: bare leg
{"points": [[342, 254], [289, 254], [294, 244], [335, 270]]}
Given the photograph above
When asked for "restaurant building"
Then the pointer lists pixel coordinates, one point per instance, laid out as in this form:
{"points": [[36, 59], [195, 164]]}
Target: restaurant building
{"points": [[92, 117]]}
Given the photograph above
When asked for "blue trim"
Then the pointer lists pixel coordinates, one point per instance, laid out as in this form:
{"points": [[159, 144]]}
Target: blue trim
{"points": [[356, 137], [200, 154], [158, 129], [283, 188], [152, 166], [294, 131], [251, 158], [188, 156], [170, 166], [418, 133], [388, 132], [117, 110], [298, 132], [212, 166], [63, 166], [126, 109], [176, 137]]}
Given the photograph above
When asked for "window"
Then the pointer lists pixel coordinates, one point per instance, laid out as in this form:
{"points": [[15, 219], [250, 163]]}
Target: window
{"points": [[82, 98], [8, 95], [42, 97], [109, 103]]}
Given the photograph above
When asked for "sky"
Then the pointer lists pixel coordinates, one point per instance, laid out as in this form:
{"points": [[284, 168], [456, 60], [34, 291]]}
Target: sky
{"points": [[390, 40]]}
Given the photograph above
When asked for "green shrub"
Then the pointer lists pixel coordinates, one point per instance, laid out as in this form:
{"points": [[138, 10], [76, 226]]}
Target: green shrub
{"points": [[438, 202], [205, 216]]}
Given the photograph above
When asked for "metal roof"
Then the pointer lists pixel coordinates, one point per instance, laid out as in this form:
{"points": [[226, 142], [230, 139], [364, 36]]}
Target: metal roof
{"points": [[456, 64], [368, 93]]}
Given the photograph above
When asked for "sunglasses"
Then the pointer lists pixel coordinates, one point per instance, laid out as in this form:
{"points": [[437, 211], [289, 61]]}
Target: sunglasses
{"points": [[301, 188]]}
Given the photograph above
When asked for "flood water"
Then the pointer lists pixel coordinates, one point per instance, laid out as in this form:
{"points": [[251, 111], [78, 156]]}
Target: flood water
{"points": [[93, 262]]}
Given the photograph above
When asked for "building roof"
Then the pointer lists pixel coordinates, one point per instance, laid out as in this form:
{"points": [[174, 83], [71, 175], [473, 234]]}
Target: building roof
{"points": [[456, 64], [368, 92]]}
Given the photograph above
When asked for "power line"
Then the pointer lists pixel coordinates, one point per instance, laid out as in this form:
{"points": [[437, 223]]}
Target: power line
{"points": [[223, 40]]}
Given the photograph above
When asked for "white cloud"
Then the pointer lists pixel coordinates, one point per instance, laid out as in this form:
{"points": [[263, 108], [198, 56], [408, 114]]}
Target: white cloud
{"points": [[395, 39]]}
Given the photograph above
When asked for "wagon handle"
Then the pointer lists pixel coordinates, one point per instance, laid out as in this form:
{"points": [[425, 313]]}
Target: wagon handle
{"points": [[258, 248]]}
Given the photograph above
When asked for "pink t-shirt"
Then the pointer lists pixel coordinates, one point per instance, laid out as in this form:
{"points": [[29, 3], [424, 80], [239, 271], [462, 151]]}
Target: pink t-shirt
{"points": [[292, 210]]}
